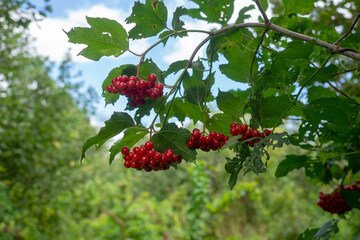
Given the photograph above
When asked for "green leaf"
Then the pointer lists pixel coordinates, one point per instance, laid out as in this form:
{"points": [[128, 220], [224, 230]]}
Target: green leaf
{"points": [[242, 14], [234, 176], [175, 67], [131, 137], [272, 109], [149, 18], [327, 229], [216, 11], [323, 76], [104, 38], [182, 109], [195, 87], [340, 113], [111, 98], [352, 198], [297, 50], [238, 66], [173, 137], [176, 23], [293, 6], [230, 104], [315, 92], [290, 163], [145, 109], [147, 67], [115, 125], [308, 234], [221, 122], [354, 162]]}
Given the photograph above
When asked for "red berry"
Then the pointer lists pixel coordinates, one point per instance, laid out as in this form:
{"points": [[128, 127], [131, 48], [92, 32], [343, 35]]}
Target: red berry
{"points": [[131, 84], [233, 131], [149, 145], [243, 128], [143, 150], [196, 134], [255, 133], [190, 144], [248, 133], [124, 79], [133, 104], [212, 134], [234, 124], [153, 95], [145, 159], [136, 149], [111, 89], [219, 137], [159, 86], [267, 132], [125, 150], [143, 84], [152, 77], [127, 164], [133, 78], [157, 156]]}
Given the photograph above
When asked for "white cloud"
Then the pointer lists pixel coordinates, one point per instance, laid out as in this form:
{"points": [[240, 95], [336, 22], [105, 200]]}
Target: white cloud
{"points": [[50, 40]]}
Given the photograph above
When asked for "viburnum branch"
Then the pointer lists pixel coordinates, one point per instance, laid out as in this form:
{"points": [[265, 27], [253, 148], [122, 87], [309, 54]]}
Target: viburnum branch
{"points": [[349, 30], [191, 59], [254, 57], [338, 90], [346, 71], [301, 89], [136, 54], [332, 47], [262, 11]]}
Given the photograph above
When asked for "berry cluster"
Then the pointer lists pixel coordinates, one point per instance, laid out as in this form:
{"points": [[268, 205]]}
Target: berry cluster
{"points": [[334, 202], [213, 141], [130, 87], [145, 157], [236, 129]]}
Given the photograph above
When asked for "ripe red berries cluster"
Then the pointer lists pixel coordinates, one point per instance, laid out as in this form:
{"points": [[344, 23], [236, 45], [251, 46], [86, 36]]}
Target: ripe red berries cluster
{"points": [[236, 129], [213, 141], [145, 157], [334, 202], [130, 87]]}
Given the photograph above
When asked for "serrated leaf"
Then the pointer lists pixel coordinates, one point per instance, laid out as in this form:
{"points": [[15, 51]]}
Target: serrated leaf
{"points": [[164, 35], [118, 122], [147, 67], [293, 6], [173, 137], [327, 229], [149, 18], [352, 198], [175, 67], [182, 109], [216, 11], [272, 109], [196, 88], [337, 111], [221, 122], [297, 50], [290, 163], [354, 162], [231, 104], [111, 98], [316, 92], [242, 14], [238, 66], [231, 142], [131, 137], [323, 76], [308, 234], [176, 23], [234, 176], [105, 38]]}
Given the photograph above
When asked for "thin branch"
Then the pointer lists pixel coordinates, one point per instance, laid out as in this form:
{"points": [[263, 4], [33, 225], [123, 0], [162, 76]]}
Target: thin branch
{"points": [[116, 219], [262, 11], [346, 71], [348, 31], [338, 90], [191, 59]]}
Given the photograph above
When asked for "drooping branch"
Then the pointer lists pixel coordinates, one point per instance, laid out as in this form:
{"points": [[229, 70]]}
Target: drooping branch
{"points": [[262, 11]]}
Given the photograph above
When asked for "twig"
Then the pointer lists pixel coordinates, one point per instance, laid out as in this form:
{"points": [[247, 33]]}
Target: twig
{"points": [[348, 31], [346, 71], [197, 49], [338, 90], [262, 12], [116, 219]]}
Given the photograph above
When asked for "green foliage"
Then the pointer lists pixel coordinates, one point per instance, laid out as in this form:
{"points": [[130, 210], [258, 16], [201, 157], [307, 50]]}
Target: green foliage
{"points": [[104, 38]]}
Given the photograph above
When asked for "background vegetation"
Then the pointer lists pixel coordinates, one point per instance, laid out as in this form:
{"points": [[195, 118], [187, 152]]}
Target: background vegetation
{"points": [[46, 194]]}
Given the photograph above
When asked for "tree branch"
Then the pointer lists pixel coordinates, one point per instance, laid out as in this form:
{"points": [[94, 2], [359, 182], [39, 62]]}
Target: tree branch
{"points": [[348, 31], [262, 12], [338, 90]]}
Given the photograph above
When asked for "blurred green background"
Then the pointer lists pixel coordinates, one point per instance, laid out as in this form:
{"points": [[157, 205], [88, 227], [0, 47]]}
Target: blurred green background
{"points": [[45, 193]]}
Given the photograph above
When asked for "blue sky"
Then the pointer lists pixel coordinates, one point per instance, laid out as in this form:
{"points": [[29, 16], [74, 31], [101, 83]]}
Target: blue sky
{"points": [[51, 41]]}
